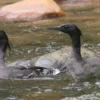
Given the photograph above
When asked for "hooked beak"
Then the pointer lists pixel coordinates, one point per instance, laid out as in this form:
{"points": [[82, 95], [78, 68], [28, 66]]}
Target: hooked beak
{"points": [[54, 28]]}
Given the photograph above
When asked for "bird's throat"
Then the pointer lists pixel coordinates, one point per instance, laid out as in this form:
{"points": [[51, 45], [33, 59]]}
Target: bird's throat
{"points": [[76, 49]]}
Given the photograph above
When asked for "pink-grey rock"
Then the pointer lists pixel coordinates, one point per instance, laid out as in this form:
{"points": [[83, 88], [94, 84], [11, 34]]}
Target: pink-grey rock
{"points": [[27, 10]]}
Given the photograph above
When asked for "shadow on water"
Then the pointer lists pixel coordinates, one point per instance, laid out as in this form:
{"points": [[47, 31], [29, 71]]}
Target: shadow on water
{"points": [[31, 39]]}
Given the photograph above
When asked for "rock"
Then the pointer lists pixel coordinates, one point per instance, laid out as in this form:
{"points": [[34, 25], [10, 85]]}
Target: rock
{"points": [[97, 84], [87, 85], [48, 90], [92, 96], [85, 45], [98, 45], [28, 10], [11, 98]]}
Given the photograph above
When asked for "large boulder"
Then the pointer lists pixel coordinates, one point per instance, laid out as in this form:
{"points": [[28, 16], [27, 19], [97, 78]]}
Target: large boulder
{"points": [[30, 10]]}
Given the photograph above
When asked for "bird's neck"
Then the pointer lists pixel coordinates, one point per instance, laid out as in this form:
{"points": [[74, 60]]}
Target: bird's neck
{"points": [[76, 49]]}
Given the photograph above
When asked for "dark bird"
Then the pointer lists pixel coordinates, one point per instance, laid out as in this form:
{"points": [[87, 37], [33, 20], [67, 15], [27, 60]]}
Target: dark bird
{"points": [[15, 71], [77, 64]]}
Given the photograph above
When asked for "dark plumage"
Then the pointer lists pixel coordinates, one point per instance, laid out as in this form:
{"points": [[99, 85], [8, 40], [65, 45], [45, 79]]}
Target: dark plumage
{"points": [[79, 65], [15, 71], [4, 43], [74, 32]]}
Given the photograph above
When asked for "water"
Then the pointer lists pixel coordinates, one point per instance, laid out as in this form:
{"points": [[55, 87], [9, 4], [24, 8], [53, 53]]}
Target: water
{"points": [[58, 88], [30, 89], [31, 39]]}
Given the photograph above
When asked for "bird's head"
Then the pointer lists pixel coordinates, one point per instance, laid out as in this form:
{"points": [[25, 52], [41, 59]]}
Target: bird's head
{"points": [[70, 29], [4, 41]]}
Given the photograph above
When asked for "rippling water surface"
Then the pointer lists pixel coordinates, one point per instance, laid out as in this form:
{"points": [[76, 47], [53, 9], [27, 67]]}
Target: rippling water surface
{"points": [[57, 88]]}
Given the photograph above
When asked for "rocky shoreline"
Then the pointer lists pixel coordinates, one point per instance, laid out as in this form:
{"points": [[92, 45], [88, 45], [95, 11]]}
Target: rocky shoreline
{"points": [[92, 47]]}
